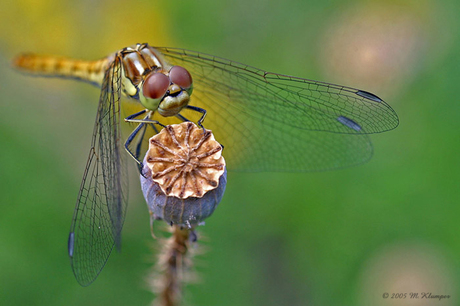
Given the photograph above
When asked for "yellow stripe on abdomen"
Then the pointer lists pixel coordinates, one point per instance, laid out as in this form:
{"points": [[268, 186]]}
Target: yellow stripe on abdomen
{"points": [[90, 71]]}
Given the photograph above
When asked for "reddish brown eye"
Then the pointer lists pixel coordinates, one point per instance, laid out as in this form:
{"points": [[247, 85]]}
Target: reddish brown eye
{"points": [[155, 85], [180, 76]]}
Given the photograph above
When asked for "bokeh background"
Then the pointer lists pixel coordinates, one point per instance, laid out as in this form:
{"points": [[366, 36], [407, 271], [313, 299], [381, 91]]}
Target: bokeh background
{"points": [[331, 238]]}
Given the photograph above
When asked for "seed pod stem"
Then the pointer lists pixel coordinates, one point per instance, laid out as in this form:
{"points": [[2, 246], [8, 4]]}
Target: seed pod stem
{"points": [[183, 180], [173, 267]]}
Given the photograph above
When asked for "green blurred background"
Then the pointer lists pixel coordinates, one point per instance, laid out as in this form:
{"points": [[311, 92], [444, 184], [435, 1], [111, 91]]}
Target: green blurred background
{"points": [[331, 238]]}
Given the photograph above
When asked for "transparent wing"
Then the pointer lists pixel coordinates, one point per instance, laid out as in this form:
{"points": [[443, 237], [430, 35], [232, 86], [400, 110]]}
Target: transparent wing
{"points": [[102, 201], [273, 122]]}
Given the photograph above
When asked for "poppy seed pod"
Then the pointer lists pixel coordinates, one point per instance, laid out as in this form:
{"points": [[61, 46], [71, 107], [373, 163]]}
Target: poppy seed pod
{"points": [[184, 174]]}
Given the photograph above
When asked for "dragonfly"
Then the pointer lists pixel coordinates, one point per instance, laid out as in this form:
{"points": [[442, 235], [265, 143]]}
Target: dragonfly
{"points": [[266, 122]]}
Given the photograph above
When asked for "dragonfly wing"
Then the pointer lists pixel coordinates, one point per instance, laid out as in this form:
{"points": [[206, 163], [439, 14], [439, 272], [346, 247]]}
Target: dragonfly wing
{"points": [[273, 122], [102, 201]]}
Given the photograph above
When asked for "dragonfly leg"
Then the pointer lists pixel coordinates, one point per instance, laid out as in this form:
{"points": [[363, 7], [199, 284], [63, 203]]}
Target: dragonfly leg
{"points": [[139, 132], [154, 128], [127, 119], [187, 120], [140, 138], [182, 118], [200, 110], [146, 119], [130, 139]]}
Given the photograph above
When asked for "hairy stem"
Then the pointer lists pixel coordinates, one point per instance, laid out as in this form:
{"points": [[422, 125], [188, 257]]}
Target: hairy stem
{"points": [[172, 267]]}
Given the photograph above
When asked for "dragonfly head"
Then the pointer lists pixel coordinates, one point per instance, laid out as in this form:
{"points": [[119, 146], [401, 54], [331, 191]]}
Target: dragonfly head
{"points": [[168, 92]]}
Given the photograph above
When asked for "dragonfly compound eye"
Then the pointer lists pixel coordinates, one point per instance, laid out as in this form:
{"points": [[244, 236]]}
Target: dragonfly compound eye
{"points": [[180, 76], [155, 85]]}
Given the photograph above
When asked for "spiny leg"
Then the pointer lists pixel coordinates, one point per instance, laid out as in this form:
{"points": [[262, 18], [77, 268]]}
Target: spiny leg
{"points": [[128, 119], [200, 121], [140, 139], [199, 110], [143, 124], [130, 139], [182, 118], [154, 128]]}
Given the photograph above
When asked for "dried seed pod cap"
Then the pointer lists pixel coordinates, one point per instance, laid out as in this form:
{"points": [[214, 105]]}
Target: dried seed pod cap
{"points": [[185, 174]]}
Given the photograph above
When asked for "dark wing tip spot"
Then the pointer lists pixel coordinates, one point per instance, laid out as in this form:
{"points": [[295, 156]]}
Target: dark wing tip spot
{"points": [[369, 96], [70, 243], [349, 123]]}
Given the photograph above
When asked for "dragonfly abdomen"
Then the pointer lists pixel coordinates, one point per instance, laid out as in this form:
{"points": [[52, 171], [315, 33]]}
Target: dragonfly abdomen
{"points": [[89, 71]]}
